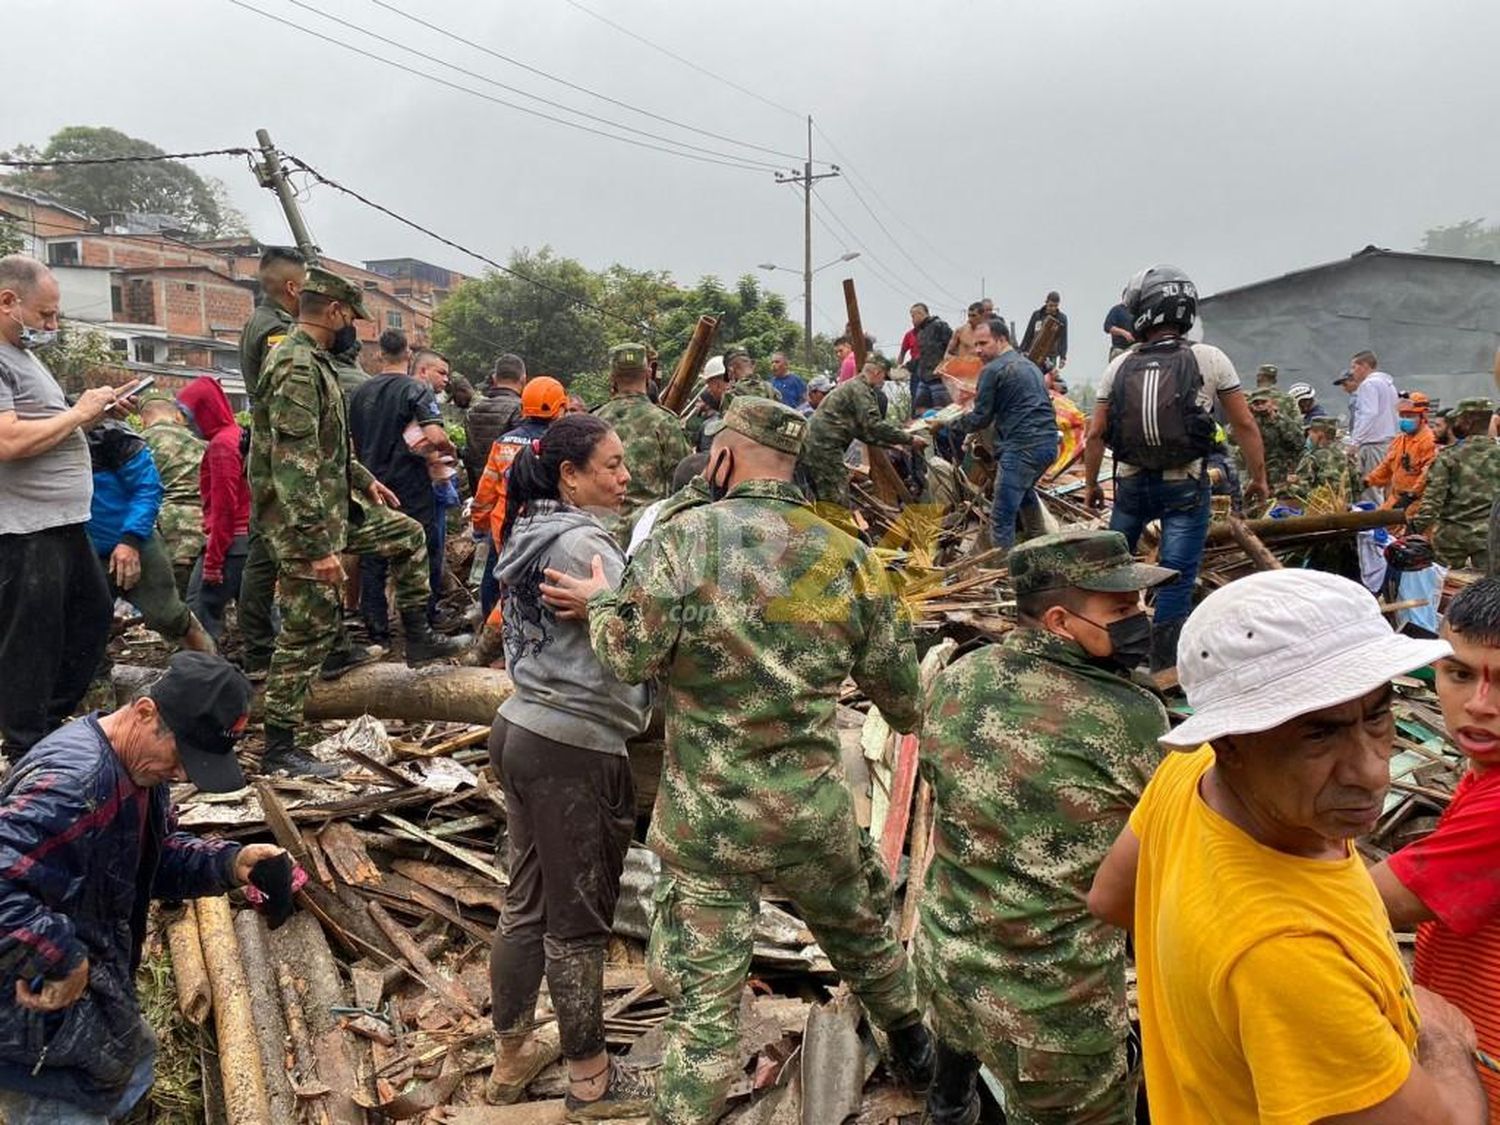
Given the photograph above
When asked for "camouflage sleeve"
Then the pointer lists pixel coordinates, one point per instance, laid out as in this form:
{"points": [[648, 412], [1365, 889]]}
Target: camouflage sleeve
{"points": [[360, 478], [870, 427], [885, 663], [1434, 497], [634, 628], [674, 445], [292, 409]]}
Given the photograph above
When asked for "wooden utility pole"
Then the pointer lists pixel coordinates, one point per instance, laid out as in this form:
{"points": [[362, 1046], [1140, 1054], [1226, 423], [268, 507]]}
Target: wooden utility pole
{"points": [[693, 357], [272, 174], [805, 180]]}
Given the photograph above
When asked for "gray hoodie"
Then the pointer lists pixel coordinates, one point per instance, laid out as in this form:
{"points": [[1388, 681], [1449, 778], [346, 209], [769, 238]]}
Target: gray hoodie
{"points": [[562, 692]]}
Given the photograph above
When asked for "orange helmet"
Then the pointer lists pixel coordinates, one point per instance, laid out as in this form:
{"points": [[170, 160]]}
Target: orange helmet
{"points": [[543, 397], [1414, 403]]}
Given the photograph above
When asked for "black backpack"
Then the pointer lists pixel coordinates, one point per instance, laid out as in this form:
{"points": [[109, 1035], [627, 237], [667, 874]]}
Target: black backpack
{"points": [[1155, 419]]}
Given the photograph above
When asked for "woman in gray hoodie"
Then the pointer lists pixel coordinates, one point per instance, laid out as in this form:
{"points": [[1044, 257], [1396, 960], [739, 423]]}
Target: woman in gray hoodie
{"points": [[558, 748]]}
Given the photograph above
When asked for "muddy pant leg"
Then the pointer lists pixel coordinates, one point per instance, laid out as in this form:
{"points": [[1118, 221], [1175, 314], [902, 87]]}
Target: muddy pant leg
{"points": [[1057, 1088], [256, 599], [387, 534], [702, 937], [516, 956], [155, 593], [845, 899], [309, 627], [953, 1084]]}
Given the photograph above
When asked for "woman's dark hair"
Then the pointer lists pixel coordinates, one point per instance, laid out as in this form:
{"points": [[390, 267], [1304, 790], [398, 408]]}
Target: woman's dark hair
{"points": [[536, 473]]}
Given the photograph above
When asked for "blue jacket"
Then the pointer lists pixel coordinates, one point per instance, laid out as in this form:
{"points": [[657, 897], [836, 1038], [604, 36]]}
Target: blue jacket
{"points": [[127, 488], [1013, 397], [83, 850]]}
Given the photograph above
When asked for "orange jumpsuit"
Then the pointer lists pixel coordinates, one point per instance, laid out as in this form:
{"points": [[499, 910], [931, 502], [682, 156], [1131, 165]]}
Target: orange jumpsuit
{"points": [[1404, 469]]}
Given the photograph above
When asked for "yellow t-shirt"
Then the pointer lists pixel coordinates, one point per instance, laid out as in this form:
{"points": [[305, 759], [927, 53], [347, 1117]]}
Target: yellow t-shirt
{"points": [[1270, 985]]}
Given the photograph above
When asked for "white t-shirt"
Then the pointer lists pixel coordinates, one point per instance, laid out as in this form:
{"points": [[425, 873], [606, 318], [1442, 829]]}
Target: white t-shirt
{"points": [[1219, 377]]}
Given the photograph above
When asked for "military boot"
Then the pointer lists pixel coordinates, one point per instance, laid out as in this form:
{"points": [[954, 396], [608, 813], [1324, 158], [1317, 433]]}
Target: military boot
{"points": [[282, 756], [912, 1056], [953, 1098], [346, 657], [422, 644]]}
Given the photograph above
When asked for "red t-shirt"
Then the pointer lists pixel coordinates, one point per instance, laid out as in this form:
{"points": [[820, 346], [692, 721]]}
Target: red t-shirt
{"points": [[1456, 873], [909, 344]]}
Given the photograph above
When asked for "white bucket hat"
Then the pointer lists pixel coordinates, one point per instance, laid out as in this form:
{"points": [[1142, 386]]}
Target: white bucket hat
{"points": [[1272, 646]]}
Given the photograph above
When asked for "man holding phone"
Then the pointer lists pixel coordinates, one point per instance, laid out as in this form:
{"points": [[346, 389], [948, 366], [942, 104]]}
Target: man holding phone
{"points": [[55, 606]]}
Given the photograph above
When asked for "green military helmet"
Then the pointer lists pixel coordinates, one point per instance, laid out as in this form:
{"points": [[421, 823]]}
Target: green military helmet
{"points": [[764, 421], [628, 359], [1473, 406], [1083, 559], [336, 288]]}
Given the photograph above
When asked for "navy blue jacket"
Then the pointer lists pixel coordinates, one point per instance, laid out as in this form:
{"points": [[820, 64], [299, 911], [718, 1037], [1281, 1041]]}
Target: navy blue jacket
{"points": [[83, 850], [127, 488], [1013, 397]]}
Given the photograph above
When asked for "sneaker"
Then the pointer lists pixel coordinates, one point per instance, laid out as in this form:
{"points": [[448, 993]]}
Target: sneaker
{"points": [[514, 1071], [627, 1094]]}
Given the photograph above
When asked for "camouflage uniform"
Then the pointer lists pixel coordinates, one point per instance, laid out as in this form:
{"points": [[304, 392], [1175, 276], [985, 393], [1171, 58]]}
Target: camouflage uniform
{"points": [[350, 374], [654, 444], [179, 523], [1036, 756], [268, 326], [751, 386], [308, 488], [1282, 438], [751, 612], [1462, 486], [1324, 466], [851, 412]]}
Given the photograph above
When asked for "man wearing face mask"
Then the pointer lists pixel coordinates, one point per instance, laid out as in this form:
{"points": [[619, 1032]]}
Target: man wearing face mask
{"points": [[1037, 749], [315, 500], [1403, 473], [54, 600]]}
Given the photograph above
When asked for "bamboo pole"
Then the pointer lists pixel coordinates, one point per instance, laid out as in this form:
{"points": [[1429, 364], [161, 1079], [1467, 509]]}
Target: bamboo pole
{"points": [[194, 999], [693, 358], [240, 1064]]}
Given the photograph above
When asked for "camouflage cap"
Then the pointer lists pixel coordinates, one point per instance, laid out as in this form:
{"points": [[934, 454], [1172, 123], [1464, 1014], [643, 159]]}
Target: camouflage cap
{"points": [[1473, 406], [1262, 394], [628, 359], [761, 420], [336, 288], [1268, 369], [1323, 425], [733, 354], [1083, 559], [156, 394]]}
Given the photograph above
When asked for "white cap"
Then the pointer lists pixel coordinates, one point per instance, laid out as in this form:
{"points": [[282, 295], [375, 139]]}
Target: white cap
{"points": [[1269, 647], [714, 368]]}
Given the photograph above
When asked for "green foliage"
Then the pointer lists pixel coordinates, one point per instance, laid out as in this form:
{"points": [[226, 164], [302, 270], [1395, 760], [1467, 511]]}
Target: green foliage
{"points": [[166, 187], [242, 419], [1468, 239], [10, 237], [79, 351], [748, 316], [456, 434], [591, 386]]}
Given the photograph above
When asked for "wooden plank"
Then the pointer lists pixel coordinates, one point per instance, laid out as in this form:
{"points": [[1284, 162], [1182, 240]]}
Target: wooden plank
{"points": [[461, 886], [903, 788], [347, 856], [320, 869], [463, 855], [412, 953]]}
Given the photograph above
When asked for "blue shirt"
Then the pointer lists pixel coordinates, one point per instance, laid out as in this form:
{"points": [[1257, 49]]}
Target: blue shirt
{"points": [[1013, 398], [791, 388], [1118, 317]]}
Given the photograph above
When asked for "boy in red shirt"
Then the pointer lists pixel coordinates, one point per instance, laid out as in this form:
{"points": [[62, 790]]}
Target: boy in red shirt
{"points": [[1448, 885]]}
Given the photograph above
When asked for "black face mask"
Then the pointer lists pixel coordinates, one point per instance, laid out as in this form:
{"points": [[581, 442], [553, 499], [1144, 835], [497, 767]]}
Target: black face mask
{"points": [[1129, 643], [344, 340], [716, 490]]}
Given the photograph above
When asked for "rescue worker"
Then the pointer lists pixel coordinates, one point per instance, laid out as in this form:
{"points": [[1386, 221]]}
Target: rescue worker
{"points": [[1403, 473], [710, 402], [652, 436], [1462, 485], [1279, 434], [851, 412], [1324, 464], [744, 380]]}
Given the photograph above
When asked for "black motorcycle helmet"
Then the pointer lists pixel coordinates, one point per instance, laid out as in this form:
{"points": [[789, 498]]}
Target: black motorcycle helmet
{"points": [[1161, 295]]}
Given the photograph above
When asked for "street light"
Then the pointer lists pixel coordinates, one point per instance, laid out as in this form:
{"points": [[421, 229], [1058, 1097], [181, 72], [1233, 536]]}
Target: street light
{"points": [[847, 257]]}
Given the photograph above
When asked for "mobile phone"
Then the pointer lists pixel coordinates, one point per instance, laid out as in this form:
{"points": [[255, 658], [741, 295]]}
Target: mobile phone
{"points": [[131, 390]]}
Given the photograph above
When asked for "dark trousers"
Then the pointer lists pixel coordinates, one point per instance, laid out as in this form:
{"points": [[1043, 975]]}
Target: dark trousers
{"points": [[208, 603], [55, 614], [257, 599], [489, 585], [1183, 505], [374, 571], [569, 813]]}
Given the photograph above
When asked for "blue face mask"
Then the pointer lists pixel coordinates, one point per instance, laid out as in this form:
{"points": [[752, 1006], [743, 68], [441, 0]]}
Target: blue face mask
{"points": [[1408, 425]]}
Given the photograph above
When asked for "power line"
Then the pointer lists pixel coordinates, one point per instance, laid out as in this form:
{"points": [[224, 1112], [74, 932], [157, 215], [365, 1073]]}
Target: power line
{"points": [[580, 302], [684, 61], [575, 86], [10, 163], [873, 262], [384, 61], [516, 89]]}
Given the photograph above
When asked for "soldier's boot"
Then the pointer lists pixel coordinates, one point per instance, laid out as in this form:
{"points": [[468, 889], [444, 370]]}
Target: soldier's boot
{"points": [[489, 647], [283, 756], [422, 644], [519, 1058], [342, 659], [913, 1057], [196, 639], [953, 1098]]}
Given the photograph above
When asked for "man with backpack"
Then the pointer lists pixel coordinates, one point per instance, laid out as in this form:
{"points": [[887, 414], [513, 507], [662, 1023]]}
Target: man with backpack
{"points": [[1153, 412]]}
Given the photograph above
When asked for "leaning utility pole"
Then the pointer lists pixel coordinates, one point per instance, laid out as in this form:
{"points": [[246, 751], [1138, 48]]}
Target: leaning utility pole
{"points": [[272, 174], [806, 181]]}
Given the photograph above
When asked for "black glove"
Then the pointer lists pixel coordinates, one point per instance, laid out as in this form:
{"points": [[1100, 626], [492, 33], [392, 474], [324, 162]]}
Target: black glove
{"points": [[273, 878]]}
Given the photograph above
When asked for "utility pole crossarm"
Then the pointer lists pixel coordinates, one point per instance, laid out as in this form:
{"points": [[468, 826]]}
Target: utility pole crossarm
{"points": [[272, 174]]}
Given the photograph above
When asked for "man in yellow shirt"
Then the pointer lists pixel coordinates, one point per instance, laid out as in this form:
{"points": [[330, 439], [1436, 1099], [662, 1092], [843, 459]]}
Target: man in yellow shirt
{"points": [[1271, 990]]}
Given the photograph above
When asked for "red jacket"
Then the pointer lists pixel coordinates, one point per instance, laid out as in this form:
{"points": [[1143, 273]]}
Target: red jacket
{"points": [[221, 478]]}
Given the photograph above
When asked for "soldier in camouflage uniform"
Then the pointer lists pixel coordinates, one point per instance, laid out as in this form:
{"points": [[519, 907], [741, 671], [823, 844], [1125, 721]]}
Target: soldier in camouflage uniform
{"points": [[744, 380], [1266, 376], [1037, 749], [750, 612], [652, 436], [282, 272], [309, 491], [1324, 464], [851, 412], [710, 403], [178, 456], [1462, 486], [1280, 434]]}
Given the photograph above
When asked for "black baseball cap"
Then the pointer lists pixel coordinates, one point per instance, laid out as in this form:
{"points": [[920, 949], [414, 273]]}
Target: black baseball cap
{"points": [[205, 702]]}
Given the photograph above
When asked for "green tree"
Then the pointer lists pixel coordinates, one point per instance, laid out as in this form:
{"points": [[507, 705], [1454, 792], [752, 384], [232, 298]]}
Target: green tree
{"points": [[748, 317], [10, 237], [500, 312], [80, 350], [1468, 239], [167, 187]]}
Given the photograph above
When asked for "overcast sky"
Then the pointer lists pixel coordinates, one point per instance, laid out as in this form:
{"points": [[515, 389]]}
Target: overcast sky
{"points": [[1033, 146]]}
